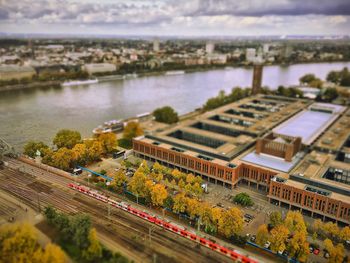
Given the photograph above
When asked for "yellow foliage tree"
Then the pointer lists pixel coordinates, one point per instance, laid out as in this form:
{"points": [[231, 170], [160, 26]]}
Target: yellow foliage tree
{"points": [[278, 238], [80, 153], [193, 207], [298, 246], [131, 130], [108, 141], [345, 233], [94, 251], [294, 221], [63, 158], [336, 253], [331, 229], [190, 179], [119, 179], [158, 168], [262, 235], [18, 243], [231, 222], [137, 184], [158, 194], [179, 203]]}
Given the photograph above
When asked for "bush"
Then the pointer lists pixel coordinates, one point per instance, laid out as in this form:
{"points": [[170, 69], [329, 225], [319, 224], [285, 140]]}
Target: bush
{"points": [[166, 115], [243, 199]]}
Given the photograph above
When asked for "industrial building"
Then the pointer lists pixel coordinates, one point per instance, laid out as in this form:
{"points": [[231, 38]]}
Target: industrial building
{"points": [[296, 151]]}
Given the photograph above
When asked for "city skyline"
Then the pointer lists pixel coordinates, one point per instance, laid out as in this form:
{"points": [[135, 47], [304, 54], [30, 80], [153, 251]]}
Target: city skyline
{"points": [[186, 18]]}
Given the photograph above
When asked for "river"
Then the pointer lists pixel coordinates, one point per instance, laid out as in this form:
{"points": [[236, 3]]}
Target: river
{"points": [[37, 114]]}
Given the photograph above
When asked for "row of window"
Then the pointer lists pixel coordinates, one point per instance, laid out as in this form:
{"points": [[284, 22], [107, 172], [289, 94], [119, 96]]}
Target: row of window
{"points": [[182, 160], [331, 207]]}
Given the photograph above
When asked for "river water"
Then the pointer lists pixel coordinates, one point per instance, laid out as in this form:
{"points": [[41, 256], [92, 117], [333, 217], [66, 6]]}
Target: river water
{"points": [[38, 114]]}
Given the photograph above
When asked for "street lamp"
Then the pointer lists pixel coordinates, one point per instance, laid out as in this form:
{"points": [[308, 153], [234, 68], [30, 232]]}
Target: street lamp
{"points": [[89, 175]]}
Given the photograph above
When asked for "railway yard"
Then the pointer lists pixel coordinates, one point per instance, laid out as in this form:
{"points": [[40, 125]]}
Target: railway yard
{"points": [[138, 240]]}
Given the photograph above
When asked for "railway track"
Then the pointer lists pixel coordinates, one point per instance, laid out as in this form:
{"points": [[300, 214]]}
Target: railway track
{"points": [[132, 232]]}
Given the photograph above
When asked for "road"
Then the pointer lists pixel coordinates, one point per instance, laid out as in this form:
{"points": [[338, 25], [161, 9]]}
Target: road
{"points": [[130, 233]]}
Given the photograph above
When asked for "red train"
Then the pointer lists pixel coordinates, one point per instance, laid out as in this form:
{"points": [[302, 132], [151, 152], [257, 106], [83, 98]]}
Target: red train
{"points": [[235, 255]]}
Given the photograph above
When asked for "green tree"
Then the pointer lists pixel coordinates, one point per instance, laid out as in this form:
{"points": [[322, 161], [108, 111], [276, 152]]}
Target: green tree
{"points": [[132, 130], [307, 78], [80, 226], [166, 114], [66, 138], [31, 148], [243, 199]]}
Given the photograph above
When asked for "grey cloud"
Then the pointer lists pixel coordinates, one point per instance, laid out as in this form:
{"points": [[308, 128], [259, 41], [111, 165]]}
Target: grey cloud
{"points": [[3, 14]]}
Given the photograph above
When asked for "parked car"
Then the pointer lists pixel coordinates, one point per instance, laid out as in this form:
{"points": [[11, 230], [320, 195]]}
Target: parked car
{"points": [[253, 238], [326, 255], [267, 244], [316, 251], [249, 216]]}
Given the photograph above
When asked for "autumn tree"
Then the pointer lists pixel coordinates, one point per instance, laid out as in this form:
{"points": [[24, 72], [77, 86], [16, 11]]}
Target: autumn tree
{"points": [[298, 246], [178, 175], [66, 138], [336, 253], [137, 184], [345, 233], [278, 238], [31, 148], [80, 154], [193, 207], [18, 243], [294, 221], [206, 218], [132, 130], [158, 168], [179, 203], [63, 158], [276, 218], [158, 194], [94, 251], [262, 235], [231, 222], [331, 229], [94, 148], [108, 141], [119, 179]]}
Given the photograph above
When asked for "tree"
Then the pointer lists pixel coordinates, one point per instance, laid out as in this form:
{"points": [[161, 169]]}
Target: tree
{"points": [[158, 194], [345, 233], [137, 184], [31, 148], [95, 149], [108, 141], [132, 130], [336, 253], [94, 251], [18, 243], [330, 94], [231, 222], [331, 229], [193, 207], [166, 114], [262, 235], [179, 203], [80, 226], [334, 76], [66, 138], [294, 221], [119, 179], [80, 154], [276, 218], [298, 246], [278, 238], [307, 78], [158, 168], [243, 199], [206, 218], [63, 158]]}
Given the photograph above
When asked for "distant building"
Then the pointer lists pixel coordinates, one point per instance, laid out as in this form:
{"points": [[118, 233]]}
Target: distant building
{"points": [[250, 54], [209, 47], [99, 67], [286, 51], [156, 45], [9, 72], [257, 78], [266, 48]]}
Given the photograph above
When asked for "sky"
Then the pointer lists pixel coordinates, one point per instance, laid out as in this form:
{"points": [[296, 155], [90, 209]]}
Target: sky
{"points": [[176, 17]]}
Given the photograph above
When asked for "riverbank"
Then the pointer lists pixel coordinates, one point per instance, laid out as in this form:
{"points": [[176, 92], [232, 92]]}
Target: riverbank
{"points": [[158, 72]]}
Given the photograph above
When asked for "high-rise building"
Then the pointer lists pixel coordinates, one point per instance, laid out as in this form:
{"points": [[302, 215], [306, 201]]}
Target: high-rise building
{"points": [[250, 54], [209, 47], [257, 78], [156, 45]]}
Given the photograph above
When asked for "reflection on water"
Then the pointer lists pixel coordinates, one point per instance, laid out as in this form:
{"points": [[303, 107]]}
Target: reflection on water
{"points": [[39, 113]]}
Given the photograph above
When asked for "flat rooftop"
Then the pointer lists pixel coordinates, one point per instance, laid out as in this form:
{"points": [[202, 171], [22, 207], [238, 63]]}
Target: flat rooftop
{"points": [[226, 132], [271, 162], [310, 123]]}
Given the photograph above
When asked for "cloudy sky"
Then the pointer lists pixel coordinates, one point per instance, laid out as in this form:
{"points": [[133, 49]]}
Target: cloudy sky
{"points": [[176, 17]]}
